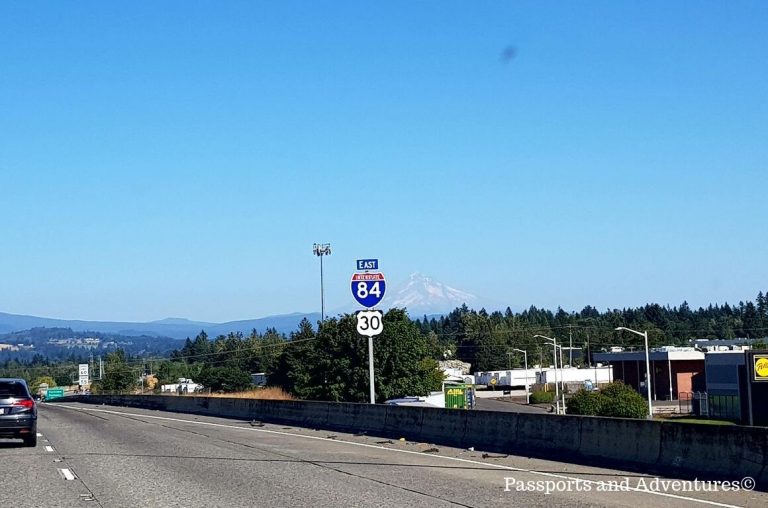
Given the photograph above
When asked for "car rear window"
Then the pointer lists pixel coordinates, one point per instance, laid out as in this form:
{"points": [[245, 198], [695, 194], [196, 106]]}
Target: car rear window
{"points": [[12, 389]]}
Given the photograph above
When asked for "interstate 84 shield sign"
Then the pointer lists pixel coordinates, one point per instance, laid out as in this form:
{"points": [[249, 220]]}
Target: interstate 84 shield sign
{"points": [[368, 288]]}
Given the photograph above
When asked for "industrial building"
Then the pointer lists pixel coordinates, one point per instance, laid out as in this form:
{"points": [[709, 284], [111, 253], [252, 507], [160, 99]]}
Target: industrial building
{"points": [[598, 374], [675, 370], [511, 377], [726, 381], [539, 375]]}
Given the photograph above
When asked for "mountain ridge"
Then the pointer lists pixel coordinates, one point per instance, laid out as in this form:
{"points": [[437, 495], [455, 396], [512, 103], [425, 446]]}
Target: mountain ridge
{"points": [[419, 294], [177, 328]]}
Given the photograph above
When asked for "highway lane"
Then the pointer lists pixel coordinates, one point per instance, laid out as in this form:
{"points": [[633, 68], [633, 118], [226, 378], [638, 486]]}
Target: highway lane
{"points": [[133, 457]]}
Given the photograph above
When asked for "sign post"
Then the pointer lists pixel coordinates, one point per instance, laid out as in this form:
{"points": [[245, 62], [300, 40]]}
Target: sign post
{"points": [[757, 387], [83, 374], [368, 290]]}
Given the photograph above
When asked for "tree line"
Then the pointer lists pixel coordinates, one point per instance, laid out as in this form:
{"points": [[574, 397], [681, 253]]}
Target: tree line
{"points": [[329, 361]]}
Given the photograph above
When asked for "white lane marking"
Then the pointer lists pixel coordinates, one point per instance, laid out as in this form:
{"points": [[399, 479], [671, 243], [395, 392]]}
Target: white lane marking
{"points": [[49, 448], [420, 454], [39, 435], [67, 474]]}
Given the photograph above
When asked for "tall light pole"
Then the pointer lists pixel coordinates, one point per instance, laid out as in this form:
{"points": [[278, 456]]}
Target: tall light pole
{"points": [[527, 390], [562, 378], [554, 358], [647, 366], [322, 249]]}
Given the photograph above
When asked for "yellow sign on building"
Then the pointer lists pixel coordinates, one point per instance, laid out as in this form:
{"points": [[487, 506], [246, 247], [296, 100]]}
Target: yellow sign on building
{"points": [[761, 367]]}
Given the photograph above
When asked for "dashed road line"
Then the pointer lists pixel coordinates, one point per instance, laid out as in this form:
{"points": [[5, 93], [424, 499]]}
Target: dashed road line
{"points": [[67, 474], [49, 448]]}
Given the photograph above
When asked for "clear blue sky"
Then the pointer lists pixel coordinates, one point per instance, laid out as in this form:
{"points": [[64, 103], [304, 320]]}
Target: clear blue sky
{"points": [[180, 158]]}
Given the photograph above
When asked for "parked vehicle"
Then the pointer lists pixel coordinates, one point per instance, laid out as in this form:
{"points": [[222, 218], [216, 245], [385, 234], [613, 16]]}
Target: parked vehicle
{"points": [[18, 411]]}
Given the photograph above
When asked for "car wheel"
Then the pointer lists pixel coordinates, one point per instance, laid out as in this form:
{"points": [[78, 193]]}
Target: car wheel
{"points": [[31, 441]]}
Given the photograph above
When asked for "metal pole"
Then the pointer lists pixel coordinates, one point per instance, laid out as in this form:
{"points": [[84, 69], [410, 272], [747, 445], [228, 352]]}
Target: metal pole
{"points": [[527, 389], [321, 249], [669, 368], [370, 369], [557, 391], [648, 376], [322, 292], [750, 364], [570, 346], [562, 380]]}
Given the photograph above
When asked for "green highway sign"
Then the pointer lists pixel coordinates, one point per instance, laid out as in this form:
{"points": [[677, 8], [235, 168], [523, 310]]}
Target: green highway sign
{"points": [[54, 393]]}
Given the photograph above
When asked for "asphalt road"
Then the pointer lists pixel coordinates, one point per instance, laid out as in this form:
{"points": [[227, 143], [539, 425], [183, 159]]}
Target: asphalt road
{"points": [[111, 456], [509, 405]]}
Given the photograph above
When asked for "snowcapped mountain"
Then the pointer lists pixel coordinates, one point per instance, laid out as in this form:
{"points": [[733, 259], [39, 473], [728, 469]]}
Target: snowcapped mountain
{"points": [[424, 295]]}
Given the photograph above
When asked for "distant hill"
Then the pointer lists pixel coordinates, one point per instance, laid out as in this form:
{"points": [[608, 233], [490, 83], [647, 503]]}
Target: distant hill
{"points": [[420, 295], [60, 343], [177, 328]]}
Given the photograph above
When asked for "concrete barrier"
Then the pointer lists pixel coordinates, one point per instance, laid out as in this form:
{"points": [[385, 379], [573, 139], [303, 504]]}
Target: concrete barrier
{"points": [[443, 426], [556, 437], [714, 450], [693, 450], [620, 439], [404, 421], [494, 432], [356, 417]]}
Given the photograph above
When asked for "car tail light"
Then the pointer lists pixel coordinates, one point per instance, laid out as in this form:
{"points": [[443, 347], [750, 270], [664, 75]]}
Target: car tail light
{"points": [[25, 403]]}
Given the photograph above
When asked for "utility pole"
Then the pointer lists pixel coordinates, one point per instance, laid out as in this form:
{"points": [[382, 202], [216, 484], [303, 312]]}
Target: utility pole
{"points": [[101, 368], [570, 345]]}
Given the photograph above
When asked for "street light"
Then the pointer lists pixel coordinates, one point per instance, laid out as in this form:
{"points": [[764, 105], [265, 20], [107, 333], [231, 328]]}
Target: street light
{"points": [[554, 357], [527, 391], [647, 366], [562, 377], [322, 249]]}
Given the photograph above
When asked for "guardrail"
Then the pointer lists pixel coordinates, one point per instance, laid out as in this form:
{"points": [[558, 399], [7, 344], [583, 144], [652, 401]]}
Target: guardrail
{"points": [[705, 451]]}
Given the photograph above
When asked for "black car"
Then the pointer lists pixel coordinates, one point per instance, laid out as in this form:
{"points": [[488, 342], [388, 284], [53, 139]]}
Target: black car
{"points": [[18, 411]]}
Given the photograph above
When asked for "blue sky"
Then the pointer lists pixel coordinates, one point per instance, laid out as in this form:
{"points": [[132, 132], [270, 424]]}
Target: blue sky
{"points": [[180, 158]]}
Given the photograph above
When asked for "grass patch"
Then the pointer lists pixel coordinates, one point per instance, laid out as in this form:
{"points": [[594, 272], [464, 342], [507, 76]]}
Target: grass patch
{"points": [[702, 421], [266, 393]]}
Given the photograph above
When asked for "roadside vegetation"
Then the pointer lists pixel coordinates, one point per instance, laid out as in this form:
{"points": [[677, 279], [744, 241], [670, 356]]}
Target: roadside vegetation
{"points": [[542, 397], [615, 399], [330, 362], [266, 393]]}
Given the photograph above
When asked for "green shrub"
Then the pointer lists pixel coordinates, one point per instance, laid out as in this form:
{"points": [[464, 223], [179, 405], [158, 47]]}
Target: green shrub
{"points": [[616, 399], [542, 397], [586, 403], [615, 389], [626, 405]]}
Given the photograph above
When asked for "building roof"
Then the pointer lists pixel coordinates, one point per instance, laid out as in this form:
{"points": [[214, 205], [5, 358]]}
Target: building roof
{"points": [[672, 355]]}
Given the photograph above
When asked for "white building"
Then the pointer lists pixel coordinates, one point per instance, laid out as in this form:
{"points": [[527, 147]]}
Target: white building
{"points": [[599, 374], [512, 377]]}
